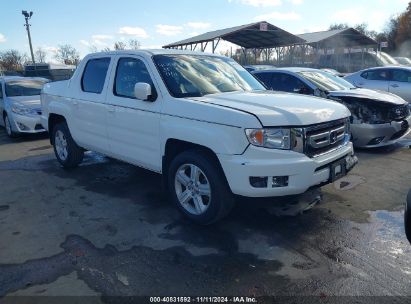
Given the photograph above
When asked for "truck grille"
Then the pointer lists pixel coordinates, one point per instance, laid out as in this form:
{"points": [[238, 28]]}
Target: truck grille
{"points": [[326, 137]]}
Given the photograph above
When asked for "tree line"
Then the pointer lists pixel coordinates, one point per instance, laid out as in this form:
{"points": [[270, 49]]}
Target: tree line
{"points": [[397, 33], [13, 60]]}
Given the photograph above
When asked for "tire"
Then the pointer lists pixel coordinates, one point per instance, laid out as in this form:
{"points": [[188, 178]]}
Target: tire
{"points": [[66, 150], [407, 217], [194, 202], [7, 125]]}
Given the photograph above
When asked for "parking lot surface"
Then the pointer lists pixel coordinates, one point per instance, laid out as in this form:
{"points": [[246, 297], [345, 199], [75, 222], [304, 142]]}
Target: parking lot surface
{"points": [[107, 228]]}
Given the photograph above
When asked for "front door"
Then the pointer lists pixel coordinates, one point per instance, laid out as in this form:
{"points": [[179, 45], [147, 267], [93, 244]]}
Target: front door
{"points": [[401, 83], [133, 125]]}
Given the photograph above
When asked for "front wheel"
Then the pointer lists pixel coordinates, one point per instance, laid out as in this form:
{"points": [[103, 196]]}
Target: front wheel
{"points": [[66, 150], [198, 187], [7, 126]]}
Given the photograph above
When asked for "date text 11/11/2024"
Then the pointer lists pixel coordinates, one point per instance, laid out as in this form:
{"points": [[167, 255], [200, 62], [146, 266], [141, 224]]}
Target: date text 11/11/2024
{"points": [[238, 299]]}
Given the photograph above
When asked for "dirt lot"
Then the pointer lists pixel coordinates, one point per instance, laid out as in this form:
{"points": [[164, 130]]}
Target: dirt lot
{"points": [[107, 229]]}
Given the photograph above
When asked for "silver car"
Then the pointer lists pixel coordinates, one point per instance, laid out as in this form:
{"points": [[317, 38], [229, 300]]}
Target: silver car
{"points": [[20, 104], [377, 118], [396, 80], [403, 60]]}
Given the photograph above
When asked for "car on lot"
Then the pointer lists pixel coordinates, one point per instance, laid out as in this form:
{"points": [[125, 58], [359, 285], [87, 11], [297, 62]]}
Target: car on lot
{"points": [[403, 60], [355, 61], [377, 118], [396, 80], [203, 122], [20, 104]]}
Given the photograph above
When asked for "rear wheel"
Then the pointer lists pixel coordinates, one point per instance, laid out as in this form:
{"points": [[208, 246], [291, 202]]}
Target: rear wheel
{"points": [[198, 187], [67, 152]]}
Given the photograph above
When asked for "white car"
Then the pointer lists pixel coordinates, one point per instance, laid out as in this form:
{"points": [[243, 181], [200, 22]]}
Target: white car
{"points": [[20, 104], [202, 121], [396, 80]]}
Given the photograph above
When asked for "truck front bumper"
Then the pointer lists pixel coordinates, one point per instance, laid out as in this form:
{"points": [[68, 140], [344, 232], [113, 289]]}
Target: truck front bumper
{"points": [[296, 171]]}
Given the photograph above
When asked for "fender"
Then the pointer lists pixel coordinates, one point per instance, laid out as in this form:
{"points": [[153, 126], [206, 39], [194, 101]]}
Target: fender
{"points": [[220, 139]]}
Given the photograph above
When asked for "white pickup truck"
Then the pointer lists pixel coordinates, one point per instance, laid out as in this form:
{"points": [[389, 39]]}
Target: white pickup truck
{"points": [[202, 121]]}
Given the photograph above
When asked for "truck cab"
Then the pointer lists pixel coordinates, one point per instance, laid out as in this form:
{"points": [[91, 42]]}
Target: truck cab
{"points": [[203, 122]]}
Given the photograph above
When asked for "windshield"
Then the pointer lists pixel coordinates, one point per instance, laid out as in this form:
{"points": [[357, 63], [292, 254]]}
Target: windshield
{"points": [[25, 87], [327, 82], [199, 75]]}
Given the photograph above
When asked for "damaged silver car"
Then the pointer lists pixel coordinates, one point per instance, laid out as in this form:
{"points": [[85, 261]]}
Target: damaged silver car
{"points": [[377, 118]]}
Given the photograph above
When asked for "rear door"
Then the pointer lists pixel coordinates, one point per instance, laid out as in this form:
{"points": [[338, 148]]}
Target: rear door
{"points": [[401, 83], [378, 79], [134, 125], [89, 108]]}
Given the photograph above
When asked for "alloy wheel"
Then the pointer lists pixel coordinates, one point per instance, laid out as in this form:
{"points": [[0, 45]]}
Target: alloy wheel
{"points": [[192, 189], [60, 143]]}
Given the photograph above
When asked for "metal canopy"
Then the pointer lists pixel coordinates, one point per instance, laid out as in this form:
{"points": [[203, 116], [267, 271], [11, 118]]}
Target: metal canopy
{"points": [[337, 38], [250, 36]]}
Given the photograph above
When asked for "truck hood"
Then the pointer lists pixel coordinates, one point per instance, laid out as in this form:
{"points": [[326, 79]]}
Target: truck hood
{"points": [[370, 94], [32, 102], [280, 109]]}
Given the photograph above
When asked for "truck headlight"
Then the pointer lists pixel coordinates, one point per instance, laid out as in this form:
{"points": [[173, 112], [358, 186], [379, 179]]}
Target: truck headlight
{"points": [[22, 110], [271, 138]]}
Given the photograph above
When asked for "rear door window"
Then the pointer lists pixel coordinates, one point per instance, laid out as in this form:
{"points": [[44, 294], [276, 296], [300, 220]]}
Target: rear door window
{"points": [[382, 75], [94, 75], [266, 79]]}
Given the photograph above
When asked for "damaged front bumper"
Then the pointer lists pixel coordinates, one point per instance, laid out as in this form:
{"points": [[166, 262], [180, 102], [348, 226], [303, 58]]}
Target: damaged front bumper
{"points": [[378, 135]]}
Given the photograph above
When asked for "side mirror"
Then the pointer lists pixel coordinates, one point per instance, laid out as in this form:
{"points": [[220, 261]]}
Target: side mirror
{"points": [[302, 90], [142, 91]]}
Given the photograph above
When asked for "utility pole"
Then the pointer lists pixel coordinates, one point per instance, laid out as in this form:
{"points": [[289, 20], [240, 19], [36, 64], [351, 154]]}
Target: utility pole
{"points": [[27, 16]]}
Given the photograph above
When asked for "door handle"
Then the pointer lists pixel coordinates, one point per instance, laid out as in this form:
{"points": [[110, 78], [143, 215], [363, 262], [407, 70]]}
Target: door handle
{"points": [[111, 109], [75, 102], [394, 85]]}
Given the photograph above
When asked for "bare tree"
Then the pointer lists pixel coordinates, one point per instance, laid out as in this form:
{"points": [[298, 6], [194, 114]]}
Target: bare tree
{"points": [[12, 60], [119, 45], [67, 54], [93, 48], [106, 49], [134, 44], [40, 55]]}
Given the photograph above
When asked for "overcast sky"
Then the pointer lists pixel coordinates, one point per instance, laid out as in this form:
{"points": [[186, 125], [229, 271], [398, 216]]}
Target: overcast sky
{"points": [[83, 23]]}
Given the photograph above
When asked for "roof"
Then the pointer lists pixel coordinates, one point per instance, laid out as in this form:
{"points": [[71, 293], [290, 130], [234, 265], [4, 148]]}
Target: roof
{"points": [[151, 52], [345, 38], [253, 35], [289, 69], [11, 78]]}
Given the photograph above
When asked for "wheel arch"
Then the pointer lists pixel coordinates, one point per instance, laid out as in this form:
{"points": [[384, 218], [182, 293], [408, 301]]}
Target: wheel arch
{"points": [[174, 147], [53, 120]]}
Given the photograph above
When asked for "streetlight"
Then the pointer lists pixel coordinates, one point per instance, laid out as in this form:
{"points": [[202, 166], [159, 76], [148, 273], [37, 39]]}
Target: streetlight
{"points": [[27, 16]]}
